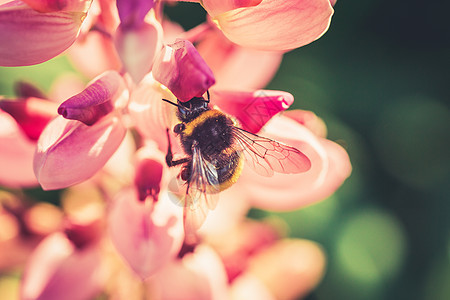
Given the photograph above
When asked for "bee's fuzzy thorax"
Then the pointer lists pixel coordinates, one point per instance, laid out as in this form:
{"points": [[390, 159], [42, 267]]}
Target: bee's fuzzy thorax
{"points": [[190, 126]]}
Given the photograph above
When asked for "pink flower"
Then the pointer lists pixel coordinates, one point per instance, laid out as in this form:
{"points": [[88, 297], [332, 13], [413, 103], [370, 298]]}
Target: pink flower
{"points": [[147, 235], [330, 166], [149, 113], [137, 47], [46, 6], [236, 67], [270, 24], [258, 261], [197, 276], [94, 52], [57, 269], [22, 121], [289, 269], [135, 194], [252, 109], [217, 7], [138, 39], [285, 25], [181, 69], [42, 35], [71, 151], [132, 44]]}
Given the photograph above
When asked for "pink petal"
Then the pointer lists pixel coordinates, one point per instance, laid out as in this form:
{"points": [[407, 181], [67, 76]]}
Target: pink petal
{"points": [[152, 116], [183, 71], [198, 276], [146, 240], [252, 109], [330, 166], [31, 114], [42, 35], [58, 5], [16, 155], [229, 212], [308, 119], [94, 54], [216, 7], [237, 67], [289, 269], [237, 245], [69, 152], [133, 12], [138, 46], [57, 270], [248, 286], [121, 166], [277, 25], [172, 31], [96, 101], [65, 86]]}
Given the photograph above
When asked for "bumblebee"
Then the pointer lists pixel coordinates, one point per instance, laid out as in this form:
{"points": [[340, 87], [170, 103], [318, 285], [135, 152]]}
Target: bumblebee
{"points": [[215, 151]]}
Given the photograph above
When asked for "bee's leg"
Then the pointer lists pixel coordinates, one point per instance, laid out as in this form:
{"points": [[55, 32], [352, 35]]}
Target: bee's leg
{"points": [[169, 156]]}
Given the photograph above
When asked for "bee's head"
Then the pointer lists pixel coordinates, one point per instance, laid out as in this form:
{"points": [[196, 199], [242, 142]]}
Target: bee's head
{"points": [[191, 109]]}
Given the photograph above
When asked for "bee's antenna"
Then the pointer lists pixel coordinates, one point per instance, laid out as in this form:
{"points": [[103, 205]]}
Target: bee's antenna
{"points": [[207, 94], [168, 101]]}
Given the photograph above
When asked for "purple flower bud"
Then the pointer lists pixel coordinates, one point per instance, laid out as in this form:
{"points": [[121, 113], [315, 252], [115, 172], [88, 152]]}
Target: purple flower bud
{"points": [[183, 71]]}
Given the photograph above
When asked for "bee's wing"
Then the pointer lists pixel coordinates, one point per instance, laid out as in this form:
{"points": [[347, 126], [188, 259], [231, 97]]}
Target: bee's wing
{"points": [[201, 193], [266, 156]]}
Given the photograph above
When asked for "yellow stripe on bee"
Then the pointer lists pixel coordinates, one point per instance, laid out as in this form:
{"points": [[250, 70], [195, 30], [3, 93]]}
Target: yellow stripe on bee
{"points": [[189, 128], [234, 178]]}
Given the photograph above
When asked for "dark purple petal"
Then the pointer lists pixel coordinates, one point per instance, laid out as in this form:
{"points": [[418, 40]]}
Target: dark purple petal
{"points": [[94, 102], [25, 89], [183, 71], [132, 12]]}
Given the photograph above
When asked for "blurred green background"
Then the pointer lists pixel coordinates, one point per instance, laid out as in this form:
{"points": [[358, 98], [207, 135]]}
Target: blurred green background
{"points": [[380, 79]]}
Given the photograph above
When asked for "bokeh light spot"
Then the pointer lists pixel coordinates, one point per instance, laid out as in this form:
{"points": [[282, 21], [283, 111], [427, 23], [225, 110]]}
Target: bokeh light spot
{"points": [[371, 247]]}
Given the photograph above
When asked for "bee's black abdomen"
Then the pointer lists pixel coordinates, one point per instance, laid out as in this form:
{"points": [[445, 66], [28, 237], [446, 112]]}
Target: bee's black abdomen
{"points": [[213, 136]]}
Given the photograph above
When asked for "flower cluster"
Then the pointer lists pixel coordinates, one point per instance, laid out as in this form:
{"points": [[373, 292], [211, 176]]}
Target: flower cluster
{"points": [[119, 228]]}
